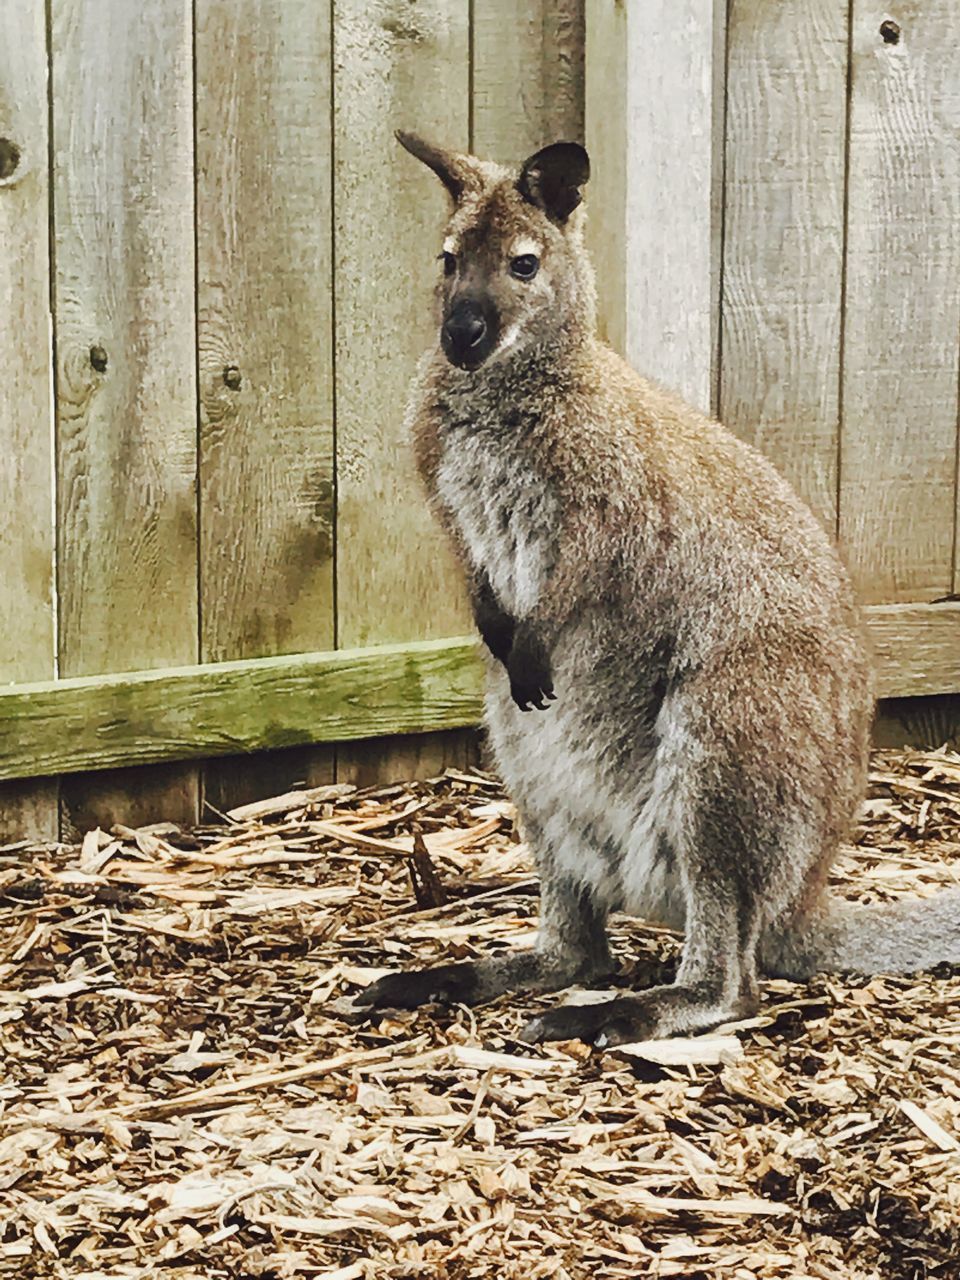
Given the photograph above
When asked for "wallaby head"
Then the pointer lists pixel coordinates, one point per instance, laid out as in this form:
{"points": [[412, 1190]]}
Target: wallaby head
{"points": [[514, 269]]}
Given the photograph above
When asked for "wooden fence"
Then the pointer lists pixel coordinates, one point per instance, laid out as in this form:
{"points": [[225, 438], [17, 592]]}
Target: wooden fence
{"points": [[208, 517]]}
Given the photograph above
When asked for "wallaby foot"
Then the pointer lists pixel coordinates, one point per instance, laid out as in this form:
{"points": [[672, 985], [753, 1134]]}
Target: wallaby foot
{"points": [[571, 947], [445, 984], [651, 1015], [474, 982]]}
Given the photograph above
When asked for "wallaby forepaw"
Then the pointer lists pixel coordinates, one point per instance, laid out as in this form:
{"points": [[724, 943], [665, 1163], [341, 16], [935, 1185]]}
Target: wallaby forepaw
{"points": [[445, 984], [531, 680], [529, 696]]}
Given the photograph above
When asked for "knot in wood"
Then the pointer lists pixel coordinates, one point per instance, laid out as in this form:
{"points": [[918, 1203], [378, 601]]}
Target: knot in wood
{"points": [[98, 358], [9, 158], [231, 376], [890, 31]]}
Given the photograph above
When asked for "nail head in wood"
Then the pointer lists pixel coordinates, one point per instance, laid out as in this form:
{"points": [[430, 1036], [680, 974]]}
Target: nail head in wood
{"points": [[98, 358], [890, 31], [9, 158], [231, 376]]}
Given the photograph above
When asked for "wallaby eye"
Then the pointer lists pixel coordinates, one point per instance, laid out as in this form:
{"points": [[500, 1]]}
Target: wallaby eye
{"points": [[525, 267], [449, 263]]}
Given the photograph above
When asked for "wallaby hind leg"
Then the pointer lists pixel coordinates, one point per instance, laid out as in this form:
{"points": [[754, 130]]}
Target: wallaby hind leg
{"points": [[571, 947], [719, 864]]}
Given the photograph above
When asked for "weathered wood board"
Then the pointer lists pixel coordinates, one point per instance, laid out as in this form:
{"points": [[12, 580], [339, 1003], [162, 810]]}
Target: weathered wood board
{"points": [[605, 126], [527, 82], [230, 707], [916, 648], [654, 121], [28, 648], [783, 237], [265, 335], [394, 66], [899, 438], [121, 80]]}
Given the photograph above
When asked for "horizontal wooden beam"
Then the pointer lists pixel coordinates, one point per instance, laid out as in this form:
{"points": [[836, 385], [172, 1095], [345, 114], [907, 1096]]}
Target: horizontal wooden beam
{"points": [[228, 708], [916, 648]]}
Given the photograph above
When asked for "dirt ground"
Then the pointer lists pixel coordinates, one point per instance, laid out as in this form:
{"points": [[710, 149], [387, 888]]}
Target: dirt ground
{"points": [[184, 1094]]}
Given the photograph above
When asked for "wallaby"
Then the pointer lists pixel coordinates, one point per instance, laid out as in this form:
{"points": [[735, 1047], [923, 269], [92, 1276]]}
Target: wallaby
{"points": [[679, 697]]}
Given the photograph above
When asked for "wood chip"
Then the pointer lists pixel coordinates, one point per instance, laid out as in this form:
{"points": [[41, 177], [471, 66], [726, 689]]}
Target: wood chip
{"points": [[928, 1126], [685, 1051], [290, 800]]}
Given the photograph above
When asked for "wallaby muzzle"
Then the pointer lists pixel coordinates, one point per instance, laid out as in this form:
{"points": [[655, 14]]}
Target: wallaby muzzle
{"points": [[469, 333]]}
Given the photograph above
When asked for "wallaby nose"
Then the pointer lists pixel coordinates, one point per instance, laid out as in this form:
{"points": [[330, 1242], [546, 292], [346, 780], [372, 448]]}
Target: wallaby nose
{"points": [[465, 327], [463, 334]]}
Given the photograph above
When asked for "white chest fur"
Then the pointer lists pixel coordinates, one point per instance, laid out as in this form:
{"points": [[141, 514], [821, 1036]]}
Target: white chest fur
{"points": [[505, 520], [611, 832]]}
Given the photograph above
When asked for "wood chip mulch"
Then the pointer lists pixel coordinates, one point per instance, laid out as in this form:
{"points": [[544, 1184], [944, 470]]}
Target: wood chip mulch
{"points": [[184, 1092]]}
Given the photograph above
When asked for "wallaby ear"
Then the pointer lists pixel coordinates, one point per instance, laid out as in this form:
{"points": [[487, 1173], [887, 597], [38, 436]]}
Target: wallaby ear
{"points": [[551, 179], [451, 167]]}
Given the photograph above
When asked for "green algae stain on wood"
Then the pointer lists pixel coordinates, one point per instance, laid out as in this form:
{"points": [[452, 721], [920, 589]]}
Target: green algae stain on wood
{"points": [[143, 717]]}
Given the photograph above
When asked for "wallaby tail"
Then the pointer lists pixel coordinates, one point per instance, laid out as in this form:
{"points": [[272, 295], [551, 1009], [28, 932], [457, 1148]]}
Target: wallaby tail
{"points": [[897, 937]]}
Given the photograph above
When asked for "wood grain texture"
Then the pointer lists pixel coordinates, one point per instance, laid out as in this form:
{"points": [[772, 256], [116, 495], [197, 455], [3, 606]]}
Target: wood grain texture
{"points": [[264, 257], [671, 154], [527, 76], [657, 65], [235, 780], [917, 648], [564, 71], [132, 795], [426, 755], [27, 636], [899, 432], [395, 65], [102, 722], [605, 124], [127, 458], [717, 190], [783, 237], [265, 332]]}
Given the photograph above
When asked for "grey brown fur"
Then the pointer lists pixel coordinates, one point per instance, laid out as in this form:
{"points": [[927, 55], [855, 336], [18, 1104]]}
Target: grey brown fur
{"points": [[680, 630]]}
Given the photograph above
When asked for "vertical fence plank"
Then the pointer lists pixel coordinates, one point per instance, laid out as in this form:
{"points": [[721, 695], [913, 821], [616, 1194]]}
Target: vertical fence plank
{"points": [[27, 640], [265, 299], [527, 76], [562, 56], [899, 428], [605, 111], [395, 65], [657, 64], [508, 79], [783, 237], [671, 232], [123, 202]]}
